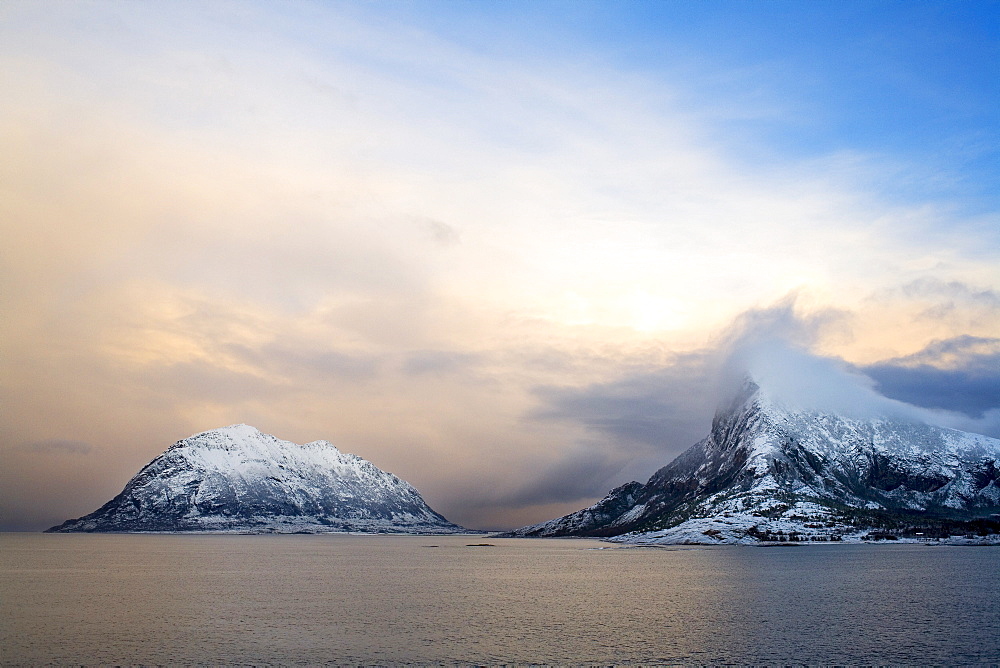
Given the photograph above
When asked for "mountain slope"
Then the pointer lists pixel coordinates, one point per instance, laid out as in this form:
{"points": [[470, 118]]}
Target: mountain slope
{"points": [[767, 472], [237, 479]]}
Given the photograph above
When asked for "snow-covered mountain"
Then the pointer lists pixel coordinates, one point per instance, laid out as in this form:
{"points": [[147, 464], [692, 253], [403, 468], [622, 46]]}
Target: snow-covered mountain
{"points": [[769, 472], [236, 479]]}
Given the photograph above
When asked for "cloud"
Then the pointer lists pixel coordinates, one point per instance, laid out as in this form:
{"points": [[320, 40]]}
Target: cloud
{"points": [[438, 362], [970, 352], [518, 267], [961, 374], [585, 472], [58, 447], [205, 382], [283, 360], [953, 291], [949, 297], [954, 377], [656, 409], [442, 233], [632, 425]]}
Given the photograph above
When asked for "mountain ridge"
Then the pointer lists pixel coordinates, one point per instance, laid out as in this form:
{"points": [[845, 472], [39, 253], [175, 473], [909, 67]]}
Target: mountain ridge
{"points": [[769, 472]]}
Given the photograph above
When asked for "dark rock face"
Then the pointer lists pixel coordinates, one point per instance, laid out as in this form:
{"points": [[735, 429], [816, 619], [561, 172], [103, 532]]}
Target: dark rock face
{"points": [[887, 475], [765, 470], [237, 479], [985, 473]]}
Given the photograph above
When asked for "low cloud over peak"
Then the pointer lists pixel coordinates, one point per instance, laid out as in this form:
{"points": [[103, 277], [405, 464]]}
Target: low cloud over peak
{"points": [[649, 415]]}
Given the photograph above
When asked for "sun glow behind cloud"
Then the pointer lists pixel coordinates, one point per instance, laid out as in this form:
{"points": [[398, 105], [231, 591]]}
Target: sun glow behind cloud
{"points": [[337, 223]]}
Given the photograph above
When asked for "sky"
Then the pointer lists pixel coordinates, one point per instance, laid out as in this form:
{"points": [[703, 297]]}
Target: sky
{"points": [[508, 251]]}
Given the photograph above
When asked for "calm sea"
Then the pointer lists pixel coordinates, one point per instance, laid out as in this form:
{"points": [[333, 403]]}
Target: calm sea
{"points": [[175, 599]]}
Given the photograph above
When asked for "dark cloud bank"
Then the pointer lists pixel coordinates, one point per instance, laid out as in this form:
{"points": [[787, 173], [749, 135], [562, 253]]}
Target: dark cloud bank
{"points": [[969, 384]]}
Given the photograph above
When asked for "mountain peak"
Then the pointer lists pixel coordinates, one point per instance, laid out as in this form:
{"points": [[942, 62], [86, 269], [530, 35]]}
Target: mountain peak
{"points": [[773, 464], [746, 391], [236, 429], [234, 433]]}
